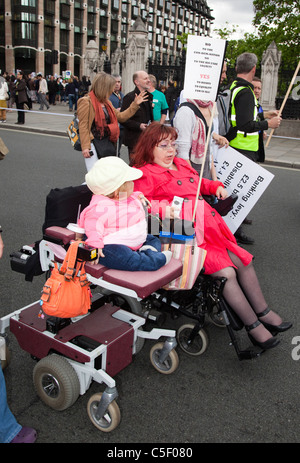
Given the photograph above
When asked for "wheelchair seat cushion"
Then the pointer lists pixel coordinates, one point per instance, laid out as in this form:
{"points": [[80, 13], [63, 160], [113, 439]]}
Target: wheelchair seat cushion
{"points": [[95, 270], [144, 283]]}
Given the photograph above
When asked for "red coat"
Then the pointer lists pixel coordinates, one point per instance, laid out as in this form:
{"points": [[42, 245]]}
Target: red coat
{"points": [[160, 185]]}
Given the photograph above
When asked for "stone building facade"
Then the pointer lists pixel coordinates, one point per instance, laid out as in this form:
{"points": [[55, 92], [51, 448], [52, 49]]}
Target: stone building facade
{"points": [[51, 36]]}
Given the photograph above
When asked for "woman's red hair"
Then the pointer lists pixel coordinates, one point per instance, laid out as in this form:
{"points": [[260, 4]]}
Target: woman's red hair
{"points": [[154, 133]]}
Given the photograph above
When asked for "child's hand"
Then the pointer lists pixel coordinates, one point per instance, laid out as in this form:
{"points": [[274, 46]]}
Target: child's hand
{"points": [[100, 254]]}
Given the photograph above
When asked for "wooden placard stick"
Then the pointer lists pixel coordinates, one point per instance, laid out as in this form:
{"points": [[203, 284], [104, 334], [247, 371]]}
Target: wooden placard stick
{"points": [[204, 158], [284, 101]]}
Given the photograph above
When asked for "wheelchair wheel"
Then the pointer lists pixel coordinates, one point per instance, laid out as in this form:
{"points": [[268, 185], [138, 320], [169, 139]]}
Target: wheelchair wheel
{"points": [[110, 420], [194, 347], [6, 362], [169, 365], [217, 317], [56, 382]]}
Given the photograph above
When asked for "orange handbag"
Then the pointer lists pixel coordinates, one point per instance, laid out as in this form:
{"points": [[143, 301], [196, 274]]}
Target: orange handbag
{"points": [[66, 293]]}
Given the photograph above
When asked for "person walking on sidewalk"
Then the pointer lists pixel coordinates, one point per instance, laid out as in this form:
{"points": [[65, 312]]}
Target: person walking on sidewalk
{"points": [[43, 90], [3, 98], [21, 96]]}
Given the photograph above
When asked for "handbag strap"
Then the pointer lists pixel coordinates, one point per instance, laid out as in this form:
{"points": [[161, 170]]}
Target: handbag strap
{"points": [[68, 265]]}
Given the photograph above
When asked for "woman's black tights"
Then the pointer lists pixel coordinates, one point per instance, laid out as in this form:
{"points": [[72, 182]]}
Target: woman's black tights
{"points": [[243, 293]]}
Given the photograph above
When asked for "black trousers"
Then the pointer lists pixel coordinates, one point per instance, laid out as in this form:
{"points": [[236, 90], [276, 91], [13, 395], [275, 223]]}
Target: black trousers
{"points": [[21, 114]]}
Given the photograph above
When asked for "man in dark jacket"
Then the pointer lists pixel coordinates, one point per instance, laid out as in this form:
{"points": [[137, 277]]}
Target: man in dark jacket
{"points": [[137, 123], [20, 96]]}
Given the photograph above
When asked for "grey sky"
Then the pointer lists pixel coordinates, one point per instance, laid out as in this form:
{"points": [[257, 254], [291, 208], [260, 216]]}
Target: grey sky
{"points": [[237, 12]]}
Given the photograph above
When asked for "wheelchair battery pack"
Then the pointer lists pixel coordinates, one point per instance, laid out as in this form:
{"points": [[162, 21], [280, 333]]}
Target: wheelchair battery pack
{"points": [[87, 253], [20, 260]]}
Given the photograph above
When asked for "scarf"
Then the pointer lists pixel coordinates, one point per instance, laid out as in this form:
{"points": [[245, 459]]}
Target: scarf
{"points": [[199, 134], [100, 120]]}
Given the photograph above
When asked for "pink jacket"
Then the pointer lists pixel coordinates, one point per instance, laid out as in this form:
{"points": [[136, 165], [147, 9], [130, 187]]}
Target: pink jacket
{"points": [[109, 221]]}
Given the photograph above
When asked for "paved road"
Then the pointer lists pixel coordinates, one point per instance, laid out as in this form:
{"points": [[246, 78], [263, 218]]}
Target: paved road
{"points": [[211, 399]]}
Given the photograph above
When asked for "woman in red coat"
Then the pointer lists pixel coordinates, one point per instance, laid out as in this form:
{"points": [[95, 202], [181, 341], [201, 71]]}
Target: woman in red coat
{"points": [[165, 176]]}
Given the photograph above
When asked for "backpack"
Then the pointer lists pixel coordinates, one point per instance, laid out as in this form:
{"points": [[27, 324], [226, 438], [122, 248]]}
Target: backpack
{"points": [[73, 134], [64, 204], [224, 113], [82, 90], [224, 110]]}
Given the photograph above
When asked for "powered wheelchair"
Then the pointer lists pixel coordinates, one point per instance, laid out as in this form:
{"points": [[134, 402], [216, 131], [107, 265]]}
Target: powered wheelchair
{"points": [[72, 353]]}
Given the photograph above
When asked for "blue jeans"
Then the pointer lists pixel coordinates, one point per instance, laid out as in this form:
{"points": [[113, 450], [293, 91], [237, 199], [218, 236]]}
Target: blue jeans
{"points": [[72, 101], [120, 257], [9, 427]]}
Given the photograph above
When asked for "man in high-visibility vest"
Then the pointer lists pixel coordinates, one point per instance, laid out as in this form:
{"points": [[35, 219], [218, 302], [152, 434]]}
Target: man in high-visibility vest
{"points": [[245, 119], [246, 122]]}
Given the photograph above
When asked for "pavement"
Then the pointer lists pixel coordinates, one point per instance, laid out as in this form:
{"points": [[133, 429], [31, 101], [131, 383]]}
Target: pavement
{"points": [[282, 151]]}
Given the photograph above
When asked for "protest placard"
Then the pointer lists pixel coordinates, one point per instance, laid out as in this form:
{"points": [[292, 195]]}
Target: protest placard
{"points": [[204, 62], [243, 177]]}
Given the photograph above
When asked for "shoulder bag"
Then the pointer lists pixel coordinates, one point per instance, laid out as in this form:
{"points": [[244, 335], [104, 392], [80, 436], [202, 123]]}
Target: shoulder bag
{"points": [[66, 293]]}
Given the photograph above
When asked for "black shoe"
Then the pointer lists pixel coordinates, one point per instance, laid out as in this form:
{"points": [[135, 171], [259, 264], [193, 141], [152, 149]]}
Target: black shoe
{"points": [[268, 344], [274, 329], [242, 238]]}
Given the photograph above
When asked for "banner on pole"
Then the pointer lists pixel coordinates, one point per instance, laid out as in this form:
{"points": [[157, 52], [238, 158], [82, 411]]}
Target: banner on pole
{"points": [[243, 177], [204, 63]]}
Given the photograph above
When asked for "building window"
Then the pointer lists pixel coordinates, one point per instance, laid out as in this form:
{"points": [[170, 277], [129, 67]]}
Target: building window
{"points": [[28, 3]]}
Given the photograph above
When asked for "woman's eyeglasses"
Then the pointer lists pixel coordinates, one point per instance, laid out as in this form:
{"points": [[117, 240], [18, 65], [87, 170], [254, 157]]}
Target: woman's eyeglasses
{"points": [[165, 146]]}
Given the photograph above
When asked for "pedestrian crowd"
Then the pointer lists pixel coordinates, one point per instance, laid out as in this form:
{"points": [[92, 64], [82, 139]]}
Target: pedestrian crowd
{"points": [[21, 90]]}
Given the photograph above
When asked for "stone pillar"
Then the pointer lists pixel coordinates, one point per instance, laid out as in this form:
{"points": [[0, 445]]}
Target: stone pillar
{"points": [[93, 61], [40, 58], [9, 51], [56, 45], [116, 59], [136, 53], [269, 75]]}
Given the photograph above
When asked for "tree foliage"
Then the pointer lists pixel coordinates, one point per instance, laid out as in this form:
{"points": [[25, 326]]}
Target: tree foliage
{"points": [[274, 20], [279, 21]]}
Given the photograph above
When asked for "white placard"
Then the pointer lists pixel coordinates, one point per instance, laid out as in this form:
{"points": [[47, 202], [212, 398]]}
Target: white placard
{"points": [[204, 63], [243, 177]]}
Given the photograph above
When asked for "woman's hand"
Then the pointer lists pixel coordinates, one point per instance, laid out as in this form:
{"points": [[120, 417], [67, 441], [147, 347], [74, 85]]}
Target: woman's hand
{"points": [[221, 141], [170, 212], [141, 97], [145, 202], [86, 153], [221, 193]]}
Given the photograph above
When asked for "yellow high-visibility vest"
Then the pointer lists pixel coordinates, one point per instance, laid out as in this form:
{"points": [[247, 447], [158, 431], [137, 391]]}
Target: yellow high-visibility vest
{"points": [[243, 140]]}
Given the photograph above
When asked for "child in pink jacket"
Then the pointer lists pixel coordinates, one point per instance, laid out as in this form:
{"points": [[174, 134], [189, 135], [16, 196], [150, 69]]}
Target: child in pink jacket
{"points": [[115, 222]]}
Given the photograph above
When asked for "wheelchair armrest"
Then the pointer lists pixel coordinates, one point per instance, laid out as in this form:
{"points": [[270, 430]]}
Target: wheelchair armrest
{"points": [[63, 236], [59, 235]]}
